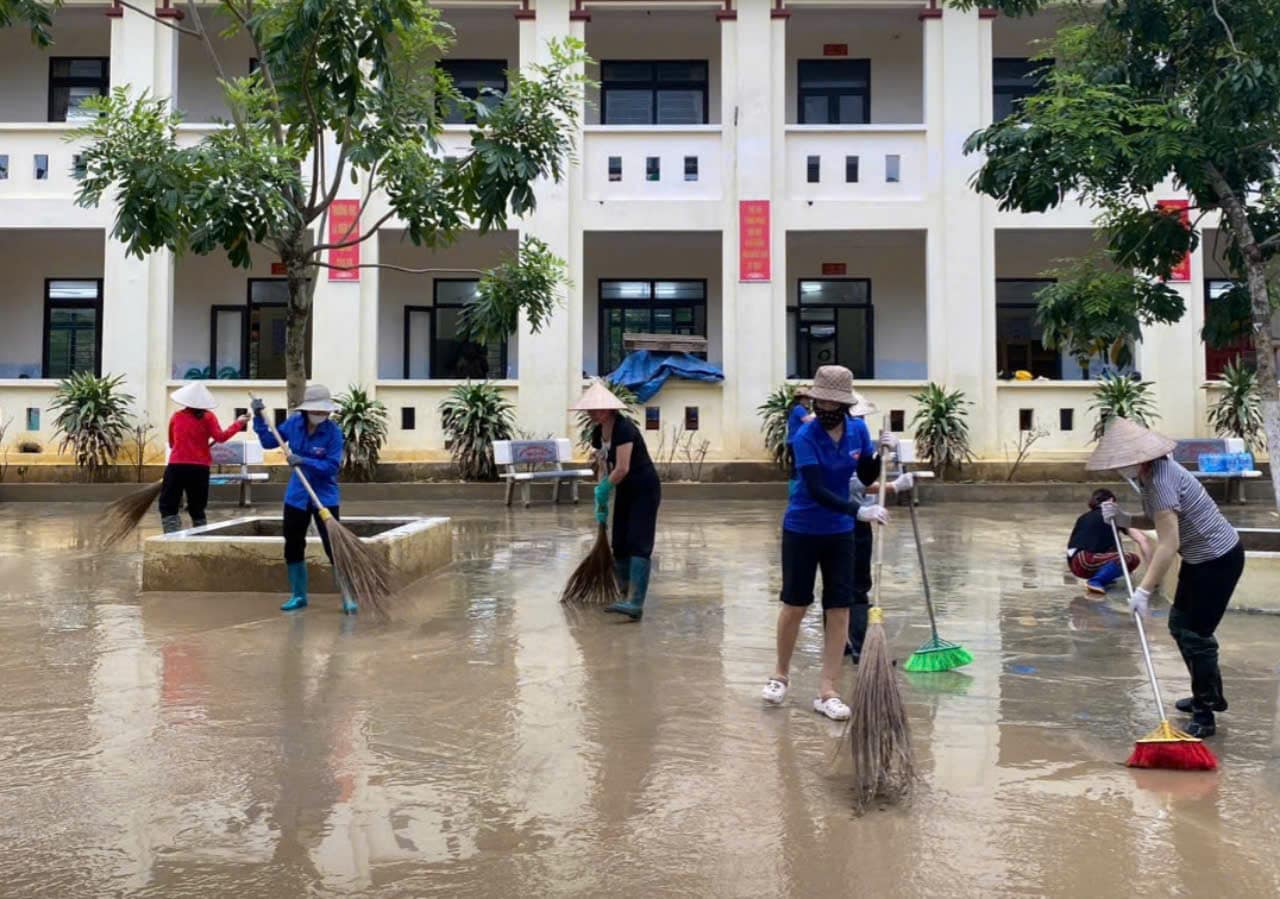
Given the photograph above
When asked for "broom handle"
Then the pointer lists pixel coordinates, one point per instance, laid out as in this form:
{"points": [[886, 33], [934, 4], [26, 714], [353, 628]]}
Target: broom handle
{"points": [[924, 573], [875, 599], [302, 478], [1142, 631]]}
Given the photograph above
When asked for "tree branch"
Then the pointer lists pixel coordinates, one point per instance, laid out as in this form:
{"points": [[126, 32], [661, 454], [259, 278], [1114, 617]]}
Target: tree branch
{"points": [[1227, 28], [167, 23], [343, 242], [398, 268]]}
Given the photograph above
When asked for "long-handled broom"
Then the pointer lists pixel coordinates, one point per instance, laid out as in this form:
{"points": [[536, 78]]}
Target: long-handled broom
{"points": [[593, 582], [879, 734], [364, 572], [1166, 746], [935, 654], [122, 516]]}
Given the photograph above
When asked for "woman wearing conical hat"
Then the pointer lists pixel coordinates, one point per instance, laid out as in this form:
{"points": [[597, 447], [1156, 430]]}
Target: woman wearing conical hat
{"points": [[192, 430], [1189, 526], [628, 471]]}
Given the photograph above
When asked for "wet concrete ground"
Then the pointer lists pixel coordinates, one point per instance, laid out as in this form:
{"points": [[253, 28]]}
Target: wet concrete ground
{"points": [[483, 744]]}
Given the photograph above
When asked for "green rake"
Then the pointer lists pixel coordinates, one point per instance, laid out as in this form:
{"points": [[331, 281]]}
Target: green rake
{"points": [[935, 654]]}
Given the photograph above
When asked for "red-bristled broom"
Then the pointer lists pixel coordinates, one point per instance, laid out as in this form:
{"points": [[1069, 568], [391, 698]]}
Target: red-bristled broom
{"points": [[1166, 746]]}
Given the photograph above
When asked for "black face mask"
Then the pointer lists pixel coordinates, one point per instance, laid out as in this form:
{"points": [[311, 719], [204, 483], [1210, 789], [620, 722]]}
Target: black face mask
{"points": [[830, 419]]}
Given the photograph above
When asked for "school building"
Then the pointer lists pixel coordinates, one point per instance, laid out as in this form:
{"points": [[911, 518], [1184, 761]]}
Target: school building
{"points": [[783, 179]]}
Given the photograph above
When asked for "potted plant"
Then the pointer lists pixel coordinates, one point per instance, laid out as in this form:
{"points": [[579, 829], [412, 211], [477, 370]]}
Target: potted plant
{"points": [[474, 415], [1238, 411], [941, 432], [1122, 396], [774, 412], [363, 421], [93, 419]]}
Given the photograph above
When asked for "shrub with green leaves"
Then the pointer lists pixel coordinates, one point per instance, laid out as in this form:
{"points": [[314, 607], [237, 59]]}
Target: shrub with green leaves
{"points": [[1121, 396], [93, 419], [941, 432], [363, 421], [474, 415], [774, 412], [1238, 411], [625, 394]]}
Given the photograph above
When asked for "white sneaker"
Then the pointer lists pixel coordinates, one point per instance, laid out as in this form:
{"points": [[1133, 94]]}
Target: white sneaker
{"points": [[833, 707], [775, 691]]}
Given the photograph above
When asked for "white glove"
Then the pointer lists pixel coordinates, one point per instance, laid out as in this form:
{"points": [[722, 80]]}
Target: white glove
{"points": [[877, 513], [888, 440], [903, 483], [1112, 512], [1139, 601]]}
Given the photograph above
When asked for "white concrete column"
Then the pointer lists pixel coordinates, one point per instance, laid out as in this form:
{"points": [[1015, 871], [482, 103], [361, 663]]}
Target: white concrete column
{"points": [[961, 242], [1172, 356], [551, 360], [370, 278]]}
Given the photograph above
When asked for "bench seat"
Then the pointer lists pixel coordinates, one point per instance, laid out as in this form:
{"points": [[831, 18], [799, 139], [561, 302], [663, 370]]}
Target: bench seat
{"points": [[526, 461]]}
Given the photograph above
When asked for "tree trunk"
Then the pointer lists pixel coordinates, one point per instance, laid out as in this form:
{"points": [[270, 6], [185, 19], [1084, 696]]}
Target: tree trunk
{"points": [[1260, 309], [298, 316]]}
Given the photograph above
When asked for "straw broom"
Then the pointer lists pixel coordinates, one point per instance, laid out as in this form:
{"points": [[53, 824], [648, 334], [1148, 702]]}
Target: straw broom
{"points": [[935, 654], [363, 570], [1166, 746], [120, 518], [878, 733], [593, 582]]}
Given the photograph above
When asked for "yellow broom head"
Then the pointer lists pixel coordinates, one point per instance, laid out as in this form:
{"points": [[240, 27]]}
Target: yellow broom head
{"points": [[878, 734]]}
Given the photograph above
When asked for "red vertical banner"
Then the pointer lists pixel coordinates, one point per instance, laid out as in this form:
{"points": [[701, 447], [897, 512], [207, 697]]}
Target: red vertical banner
{"points": [[753, 240], [1181, 271], [344, 227]]}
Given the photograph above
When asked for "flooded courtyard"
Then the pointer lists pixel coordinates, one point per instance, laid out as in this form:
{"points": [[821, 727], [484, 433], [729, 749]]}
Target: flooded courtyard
{"points": [[484, 743]]}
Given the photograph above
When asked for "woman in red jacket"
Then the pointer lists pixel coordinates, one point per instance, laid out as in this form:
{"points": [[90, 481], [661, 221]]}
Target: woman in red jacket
{"points": [[192, 429]]}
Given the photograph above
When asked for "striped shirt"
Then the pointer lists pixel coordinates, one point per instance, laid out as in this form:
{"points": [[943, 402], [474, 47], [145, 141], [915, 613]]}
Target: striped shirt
{"points": [[1203, 533]]}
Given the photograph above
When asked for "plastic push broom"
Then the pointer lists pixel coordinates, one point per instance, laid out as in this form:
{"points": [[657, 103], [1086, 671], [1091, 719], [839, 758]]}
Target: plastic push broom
{"points": [[1166, 746], [935, 654]]}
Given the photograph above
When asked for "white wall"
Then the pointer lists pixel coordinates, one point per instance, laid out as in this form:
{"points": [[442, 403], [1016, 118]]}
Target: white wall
{"points": [[663, 254], [895, 263], [615, 35], [24, 68], [199, 283], [483, 34], [893, 40], [29, 257], [200, 97], [399, 289], [1020, 37]]}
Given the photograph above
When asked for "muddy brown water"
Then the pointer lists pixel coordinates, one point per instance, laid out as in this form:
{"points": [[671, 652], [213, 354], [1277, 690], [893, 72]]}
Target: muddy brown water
{"points": [[484, 744]]}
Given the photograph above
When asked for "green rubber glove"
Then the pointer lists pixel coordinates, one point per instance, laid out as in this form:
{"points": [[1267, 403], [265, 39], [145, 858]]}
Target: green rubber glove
{"points": [[603, 490]]}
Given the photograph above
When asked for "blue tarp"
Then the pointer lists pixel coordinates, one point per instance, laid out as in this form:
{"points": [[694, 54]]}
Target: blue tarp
{"points": [[645, 371]]}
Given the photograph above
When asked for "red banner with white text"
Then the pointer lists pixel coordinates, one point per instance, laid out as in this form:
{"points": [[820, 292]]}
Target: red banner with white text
{"points": [[344, 227], [1181, 271], [753, 240]]}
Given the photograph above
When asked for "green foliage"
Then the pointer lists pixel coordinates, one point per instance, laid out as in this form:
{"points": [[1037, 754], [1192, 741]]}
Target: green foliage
{"points": [[586, 426], [774, 412], [93, 419], [474, 415], [1093, 309], [1228, 318], [531, 282], [1238, 411], [941, 432], [363, 421], [36, 15], [1120, 396]]}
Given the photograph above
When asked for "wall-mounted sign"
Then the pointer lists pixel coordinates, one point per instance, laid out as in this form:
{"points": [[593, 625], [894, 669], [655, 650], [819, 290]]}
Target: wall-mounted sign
{"points": [[344, 227], [278, 269], [753, 240], [834, 268], [835, 49], [1181, 271]]}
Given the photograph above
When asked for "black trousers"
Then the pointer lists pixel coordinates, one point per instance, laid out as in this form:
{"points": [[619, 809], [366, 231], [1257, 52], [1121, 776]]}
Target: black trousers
{"points": [[803, 555], [191, 480], [296, 522], [635, 520], [1204, 589]]}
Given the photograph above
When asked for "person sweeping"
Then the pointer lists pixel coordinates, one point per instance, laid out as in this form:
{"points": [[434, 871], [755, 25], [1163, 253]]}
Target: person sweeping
{"points": [[817, 533], [192, 430], [1187, 524], [629, 476], [314, 445]]}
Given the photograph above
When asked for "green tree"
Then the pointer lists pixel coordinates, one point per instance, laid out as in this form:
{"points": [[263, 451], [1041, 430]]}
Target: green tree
{"points": [[1144, 91], [344, 89]]}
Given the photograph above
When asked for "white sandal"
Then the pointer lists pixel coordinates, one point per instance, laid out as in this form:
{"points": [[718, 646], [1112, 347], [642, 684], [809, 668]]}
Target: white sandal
{"points": [[833, 707], [775, 691]]}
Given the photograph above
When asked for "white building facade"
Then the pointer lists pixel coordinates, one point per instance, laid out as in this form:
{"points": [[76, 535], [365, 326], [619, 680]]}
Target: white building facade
{"points": [[786, 180]]}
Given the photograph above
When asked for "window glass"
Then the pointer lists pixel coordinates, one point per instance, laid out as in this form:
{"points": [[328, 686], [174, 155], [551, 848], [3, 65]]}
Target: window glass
{"points": [[474, 79], [830, 323], [667, 92], [834, 91], [1019, 346], [418, 342], [648, 307], [1217, 358], [72, 81], [268, 316], [435, 347], [228, 343], [1013, 80], [73, 328]]}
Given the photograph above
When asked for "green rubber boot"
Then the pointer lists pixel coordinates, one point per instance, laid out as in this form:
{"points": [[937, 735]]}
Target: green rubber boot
{"points": [[633, 608], [349, 606], [297, 587]]}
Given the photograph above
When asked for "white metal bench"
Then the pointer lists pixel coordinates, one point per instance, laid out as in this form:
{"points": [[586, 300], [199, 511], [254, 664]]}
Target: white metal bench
{"points": [[527, 461], [1187, 453], [241, 453]]}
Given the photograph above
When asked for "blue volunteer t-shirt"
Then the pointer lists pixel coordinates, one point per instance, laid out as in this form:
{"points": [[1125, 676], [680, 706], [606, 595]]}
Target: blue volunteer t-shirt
{"points": [[795, 421], [837, 462]]}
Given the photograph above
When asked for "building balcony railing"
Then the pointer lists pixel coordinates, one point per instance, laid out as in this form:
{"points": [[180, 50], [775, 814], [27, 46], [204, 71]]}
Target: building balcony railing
{"points": [[37, 161], [660, 162], [856, 162]]}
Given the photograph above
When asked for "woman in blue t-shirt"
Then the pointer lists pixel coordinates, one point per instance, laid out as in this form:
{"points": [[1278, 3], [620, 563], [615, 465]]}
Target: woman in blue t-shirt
{"points": [[817, 531], [800, 415]]}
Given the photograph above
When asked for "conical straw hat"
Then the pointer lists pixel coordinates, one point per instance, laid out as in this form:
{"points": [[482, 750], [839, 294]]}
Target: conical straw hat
{"points": [[597, 398], [863, 407], [194, 396], [1128, 443]]}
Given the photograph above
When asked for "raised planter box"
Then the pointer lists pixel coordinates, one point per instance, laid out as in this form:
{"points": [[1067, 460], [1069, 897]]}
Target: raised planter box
{"points": [[1259, 587], [247, 554]]}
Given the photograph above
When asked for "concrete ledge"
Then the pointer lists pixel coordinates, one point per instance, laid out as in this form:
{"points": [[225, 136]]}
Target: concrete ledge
{"points": [[202, 560]]}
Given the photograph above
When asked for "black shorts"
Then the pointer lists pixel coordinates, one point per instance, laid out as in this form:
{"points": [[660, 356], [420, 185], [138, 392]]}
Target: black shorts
{"points": [[804, 554]]}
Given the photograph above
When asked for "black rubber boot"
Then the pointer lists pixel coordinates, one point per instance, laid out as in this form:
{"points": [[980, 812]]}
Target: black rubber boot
{"points": [[1188, 705], [857, 630], [199, 522], [170, 523], [1202, 724]]}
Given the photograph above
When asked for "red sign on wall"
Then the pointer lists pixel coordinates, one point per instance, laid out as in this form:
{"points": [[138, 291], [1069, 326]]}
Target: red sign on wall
{"points": [[1181, 271], [753, 240], [834, 268], [278, 268], [344, 226]]}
